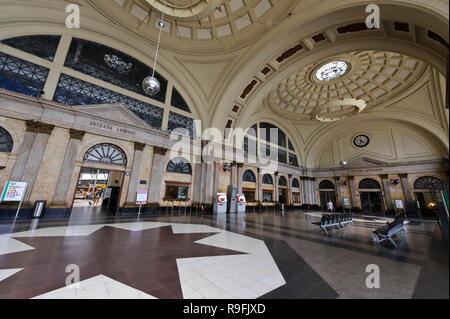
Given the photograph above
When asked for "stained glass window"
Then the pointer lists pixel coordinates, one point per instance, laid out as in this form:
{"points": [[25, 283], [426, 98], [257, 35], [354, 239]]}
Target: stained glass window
{"points": [[106, 154], [249, 176], [182, 124], [178, 101], [43, 46], [21, 76], [111, 66], [267, 179], [72, 91], [179, 165], [6, 141], [331, 70]]}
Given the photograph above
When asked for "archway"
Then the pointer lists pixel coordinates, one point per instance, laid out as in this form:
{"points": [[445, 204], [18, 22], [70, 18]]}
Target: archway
{"points": [[427, 191], [371, 196], [327, 193]]}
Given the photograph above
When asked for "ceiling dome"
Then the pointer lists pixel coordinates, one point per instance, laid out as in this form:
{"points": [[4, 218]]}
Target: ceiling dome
{"points": [[371, 76], [198, 26], [185, 10]]}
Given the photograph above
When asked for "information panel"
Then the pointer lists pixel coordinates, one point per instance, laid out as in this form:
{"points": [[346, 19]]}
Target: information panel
{"points": [[141, 197], [14, 191]]}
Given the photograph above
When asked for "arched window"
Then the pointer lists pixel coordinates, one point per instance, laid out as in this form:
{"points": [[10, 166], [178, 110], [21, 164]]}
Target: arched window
{"points": [[249, 176], [179, 165], [6, 141], [430, 183], [326, 184], [267, 179], [106, 154], [282, 181], [369, 183], [295, 183]]}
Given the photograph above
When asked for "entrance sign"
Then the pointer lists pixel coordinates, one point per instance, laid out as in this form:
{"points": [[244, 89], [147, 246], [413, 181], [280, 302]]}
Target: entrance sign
{"points": [[141, 197], [14, 192]]}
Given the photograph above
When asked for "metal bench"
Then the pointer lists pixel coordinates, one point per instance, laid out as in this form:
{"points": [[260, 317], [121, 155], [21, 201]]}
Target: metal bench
{"points": [[396, 228], [335, 220]]}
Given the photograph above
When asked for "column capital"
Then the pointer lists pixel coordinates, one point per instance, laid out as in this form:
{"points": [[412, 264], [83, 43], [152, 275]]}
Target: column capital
{"points": [[160, 150], [39, 127], [403, 175], [139, 146], [76, 134], [384, 176]]}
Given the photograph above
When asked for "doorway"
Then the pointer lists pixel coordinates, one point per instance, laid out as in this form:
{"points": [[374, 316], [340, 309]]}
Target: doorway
{"points": [[98, 190], [325, 197], [372, 203], [283, 195]]}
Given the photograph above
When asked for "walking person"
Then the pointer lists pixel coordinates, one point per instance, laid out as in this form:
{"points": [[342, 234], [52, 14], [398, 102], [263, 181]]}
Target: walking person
{"points": [[330, 207]]}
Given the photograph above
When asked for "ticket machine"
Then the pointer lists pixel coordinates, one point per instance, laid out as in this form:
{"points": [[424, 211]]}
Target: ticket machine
{"points": [[220, 204], [242, 203]]}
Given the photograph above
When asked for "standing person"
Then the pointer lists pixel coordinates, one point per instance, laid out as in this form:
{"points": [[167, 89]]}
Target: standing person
{"points": [[330, 207]]}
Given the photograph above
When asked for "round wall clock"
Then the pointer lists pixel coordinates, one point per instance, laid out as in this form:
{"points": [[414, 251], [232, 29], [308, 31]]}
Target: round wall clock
{"points": [[361, 141]]}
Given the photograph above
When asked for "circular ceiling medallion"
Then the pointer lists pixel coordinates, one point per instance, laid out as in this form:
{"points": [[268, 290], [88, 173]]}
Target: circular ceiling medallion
{"points": [[332, 70], [185, 10], [361, 140]]}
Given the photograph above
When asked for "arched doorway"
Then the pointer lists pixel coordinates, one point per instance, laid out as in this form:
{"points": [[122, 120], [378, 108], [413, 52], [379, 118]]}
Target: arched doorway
{"points": [[427, 192], [99, 184], [283, 190], [327, 193], [371, 196]]}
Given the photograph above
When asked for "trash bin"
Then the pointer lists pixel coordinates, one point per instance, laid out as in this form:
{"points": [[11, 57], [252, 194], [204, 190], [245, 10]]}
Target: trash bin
{"points": [[39, 208]]}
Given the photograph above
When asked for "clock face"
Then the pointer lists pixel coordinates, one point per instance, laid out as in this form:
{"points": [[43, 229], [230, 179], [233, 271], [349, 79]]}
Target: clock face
{"points": [[361, 141]]}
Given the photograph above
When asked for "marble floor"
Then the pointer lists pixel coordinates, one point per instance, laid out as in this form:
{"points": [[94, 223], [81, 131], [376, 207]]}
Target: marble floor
{"points": [[267, 256]]}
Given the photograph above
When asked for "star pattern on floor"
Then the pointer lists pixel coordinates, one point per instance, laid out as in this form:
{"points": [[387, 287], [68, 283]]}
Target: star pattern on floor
{"points": [[145, 260]]}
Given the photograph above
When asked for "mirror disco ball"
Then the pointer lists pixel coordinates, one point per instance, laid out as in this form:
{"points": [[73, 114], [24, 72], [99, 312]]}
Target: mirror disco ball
{"points": [[151, 85]]}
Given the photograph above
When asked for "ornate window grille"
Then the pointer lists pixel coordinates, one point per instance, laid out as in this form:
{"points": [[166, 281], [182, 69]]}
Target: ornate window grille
{"points": [[178, 101], [430, 183], [282, 181], [73, 91], [6, 141], [249, 176], [112, 66], [179, 165], [295, 183], [267, 179], [182, 124], [326, 184], [21, 76], [369, 183], [106, 154], [43, 46]]}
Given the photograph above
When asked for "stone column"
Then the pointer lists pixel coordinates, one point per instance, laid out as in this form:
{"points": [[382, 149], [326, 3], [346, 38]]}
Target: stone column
{"points": [[24, 152], [259, 186], [216, 178], [387, 192], [304, 190], [156, 175], [338, 192], [276, 186], [234, 174], [289, 199], [406, 188], [208, 184], [239, 177], [42, 132], [351, 185], [314, 191], [135, 170], [65, 175]]}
